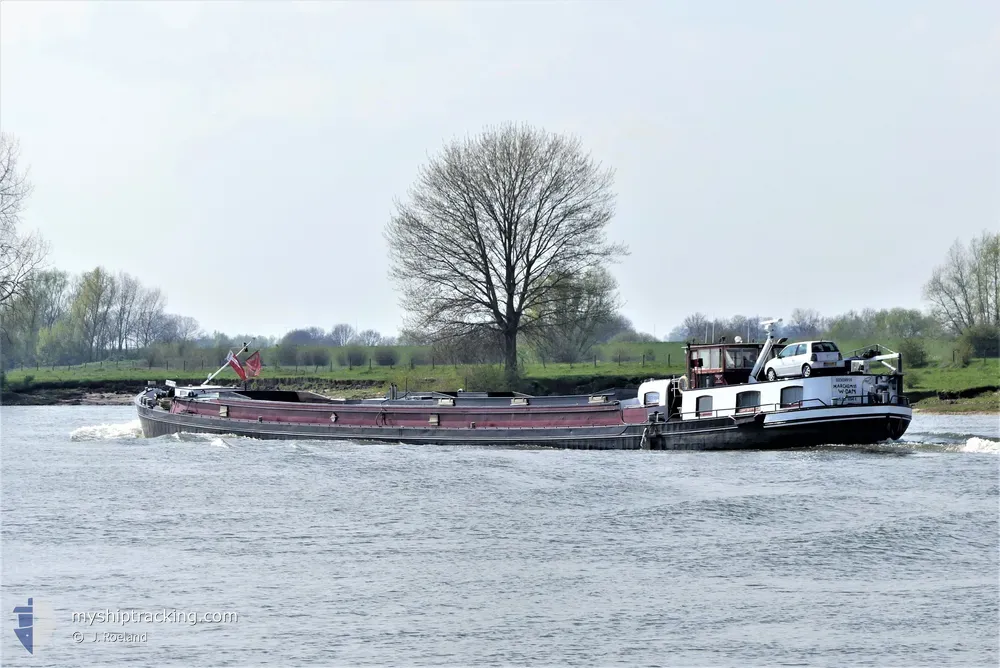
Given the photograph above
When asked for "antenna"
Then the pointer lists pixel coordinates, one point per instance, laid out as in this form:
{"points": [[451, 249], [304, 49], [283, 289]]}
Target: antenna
{"points": [[768, 325]]}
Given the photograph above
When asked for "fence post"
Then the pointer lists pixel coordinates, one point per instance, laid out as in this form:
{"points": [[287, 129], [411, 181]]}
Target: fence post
{"points": [[644, 359], [184, 364], [369, 363], [668, 359], [595, 361], [166, 364], [151, 363]]}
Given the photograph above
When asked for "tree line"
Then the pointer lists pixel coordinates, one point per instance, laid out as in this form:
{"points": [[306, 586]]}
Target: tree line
{"points": [[806, 323], [61, 319], [56, 318], [499, 252], [963, 294]]}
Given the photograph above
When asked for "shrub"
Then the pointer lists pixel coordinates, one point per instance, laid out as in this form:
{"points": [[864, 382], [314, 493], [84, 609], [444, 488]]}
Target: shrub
{"points": [[352, 356], [314, 356], [386, 357], [485, 378], [622, 355], [913, 352], [912, 379], [419, 357], [965, 352], [288, 355], [982, 340], [650, 355]]}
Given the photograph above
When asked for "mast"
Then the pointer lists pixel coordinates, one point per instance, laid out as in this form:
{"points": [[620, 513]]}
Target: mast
{"points": [[246, 346], [764, 352]]}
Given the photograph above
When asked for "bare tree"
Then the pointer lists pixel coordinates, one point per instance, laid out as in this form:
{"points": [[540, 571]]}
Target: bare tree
{"points": [[149, 317], [805, 323], [39, 305], [342, 334], [963, 292], [984, 256], [20, 254], [573, 322], [123, 310], [51, 289], [495, 228], [695, 326], [186, 330], [369, 337], [92, 301]]}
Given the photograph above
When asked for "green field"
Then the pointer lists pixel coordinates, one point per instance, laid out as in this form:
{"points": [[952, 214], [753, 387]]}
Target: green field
{"points": [[420, 377], [611, 364]]}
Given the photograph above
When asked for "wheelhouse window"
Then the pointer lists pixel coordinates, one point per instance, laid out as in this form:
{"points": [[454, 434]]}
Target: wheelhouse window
{"points": [[651, 399], [791, 396], [711, 358], [747, 402], [741, 358], [704, 406]]}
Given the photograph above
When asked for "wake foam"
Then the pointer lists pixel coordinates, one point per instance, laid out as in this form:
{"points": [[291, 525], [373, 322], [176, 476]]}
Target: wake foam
{"points": [[211, 439], [107, 432], [979, 445]]}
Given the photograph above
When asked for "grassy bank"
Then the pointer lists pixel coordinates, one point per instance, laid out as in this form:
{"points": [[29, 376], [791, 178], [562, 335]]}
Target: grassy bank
{"points": [[451, 376], [937, 387], [986, 402]]}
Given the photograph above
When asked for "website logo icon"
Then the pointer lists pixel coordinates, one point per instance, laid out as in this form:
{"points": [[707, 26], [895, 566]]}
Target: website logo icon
{"points": [[25, 625]]}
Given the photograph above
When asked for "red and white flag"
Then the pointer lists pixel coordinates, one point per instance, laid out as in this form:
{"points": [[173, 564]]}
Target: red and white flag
{"points": [[234, 362], [253, 364]]}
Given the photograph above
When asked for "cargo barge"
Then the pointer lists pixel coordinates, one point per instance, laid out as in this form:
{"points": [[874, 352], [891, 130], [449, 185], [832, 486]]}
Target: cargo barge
{"points": [[723, 402]]}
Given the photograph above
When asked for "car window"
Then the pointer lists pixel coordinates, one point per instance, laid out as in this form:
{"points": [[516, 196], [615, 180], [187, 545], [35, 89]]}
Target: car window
{"points": [[801, 349], [787, 352]]}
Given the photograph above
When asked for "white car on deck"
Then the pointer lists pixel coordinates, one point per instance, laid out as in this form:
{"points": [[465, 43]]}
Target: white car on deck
{"points": [[804, 359]]}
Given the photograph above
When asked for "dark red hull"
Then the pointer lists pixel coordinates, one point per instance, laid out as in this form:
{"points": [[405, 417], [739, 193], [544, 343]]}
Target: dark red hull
{"points": [[588, 422]]}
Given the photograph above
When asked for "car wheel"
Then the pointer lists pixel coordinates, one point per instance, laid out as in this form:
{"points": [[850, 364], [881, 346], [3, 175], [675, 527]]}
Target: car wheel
{"points": [[806, 371], [771, 375]]}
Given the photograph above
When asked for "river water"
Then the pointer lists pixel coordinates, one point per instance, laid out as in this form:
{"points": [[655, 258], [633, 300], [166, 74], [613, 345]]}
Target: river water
{"points": [[349, 554]]}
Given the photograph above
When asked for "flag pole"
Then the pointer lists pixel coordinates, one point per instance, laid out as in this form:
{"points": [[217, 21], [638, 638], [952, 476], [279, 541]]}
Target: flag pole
{"points": [[246, 346]]}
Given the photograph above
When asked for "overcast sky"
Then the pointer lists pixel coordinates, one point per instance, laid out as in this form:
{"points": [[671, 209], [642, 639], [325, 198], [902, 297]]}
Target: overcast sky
{"points": [[244, 156]]}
